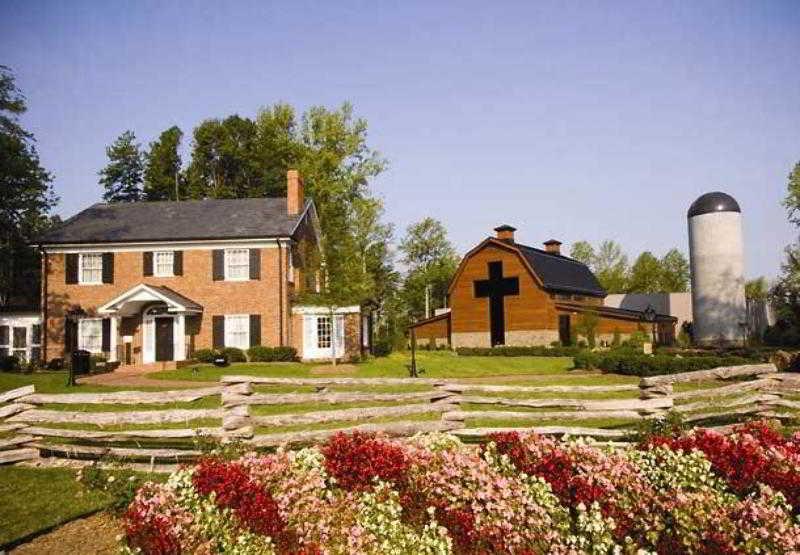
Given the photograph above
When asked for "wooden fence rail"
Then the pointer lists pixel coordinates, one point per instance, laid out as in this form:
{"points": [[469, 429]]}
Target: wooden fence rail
{"points": [[249, 409]]}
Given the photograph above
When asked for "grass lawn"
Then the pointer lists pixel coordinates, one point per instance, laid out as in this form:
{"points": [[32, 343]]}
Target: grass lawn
{"points": [[33, 499], [56, 382], [439, 364]]}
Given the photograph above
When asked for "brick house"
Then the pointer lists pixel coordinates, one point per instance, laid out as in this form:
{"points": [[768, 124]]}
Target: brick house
{"points": [[507, 293], [152, 282]]}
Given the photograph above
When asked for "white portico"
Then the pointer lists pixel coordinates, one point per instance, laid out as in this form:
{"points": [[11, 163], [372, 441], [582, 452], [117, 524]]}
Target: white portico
{"points": [[163, 317]]}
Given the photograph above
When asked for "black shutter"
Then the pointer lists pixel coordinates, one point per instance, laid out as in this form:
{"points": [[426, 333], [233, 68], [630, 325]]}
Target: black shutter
{"points": [[70, 336], [71, 268], [108, 267], [218, 331], [106, 335], [255, 330], [255, 263], [177, 263], [4, 335], [147, 263], [218, 264]]}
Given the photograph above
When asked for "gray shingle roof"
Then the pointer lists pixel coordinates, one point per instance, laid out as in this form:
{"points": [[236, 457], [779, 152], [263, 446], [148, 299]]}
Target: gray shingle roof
{"points": [[561, 273], [171, 220]]}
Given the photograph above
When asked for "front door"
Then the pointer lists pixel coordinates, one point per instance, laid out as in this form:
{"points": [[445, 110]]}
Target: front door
{"points": [[564, 330], [164, 339]]}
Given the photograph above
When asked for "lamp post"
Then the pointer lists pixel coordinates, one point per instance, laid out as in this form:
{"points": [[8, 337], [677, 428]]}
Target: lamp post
{"points": [[649, 315]]}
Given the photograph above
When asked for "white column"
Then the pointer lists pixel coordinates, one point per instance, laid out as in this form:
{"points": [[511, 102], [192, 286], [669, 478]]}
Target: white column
{"points": [[179, 331], [112, 356]]}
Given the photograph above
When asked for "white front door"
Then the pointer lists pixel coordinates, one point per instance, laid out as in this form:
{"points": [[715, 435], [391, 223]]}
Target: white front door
{"points": [[322, 334]]}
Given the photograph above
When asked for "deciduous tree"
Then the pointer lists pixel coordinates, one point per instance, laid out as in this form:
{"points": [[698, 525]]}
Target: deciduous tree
{"points": [[674, 272], [645, 274], [611, 267], [430, 260], [583, 251]]}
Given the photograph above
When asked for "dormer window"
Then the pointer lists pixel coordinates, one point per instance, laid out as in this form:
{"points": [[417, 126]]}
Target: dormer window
{"points": [[90, 268], [164, 263]]}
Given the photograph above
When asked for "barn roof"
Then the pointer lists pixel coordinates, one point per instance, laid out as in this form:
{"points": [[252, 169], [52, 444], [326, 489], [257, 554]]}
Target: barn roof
{"points": [[561, 273], [246, 218]]}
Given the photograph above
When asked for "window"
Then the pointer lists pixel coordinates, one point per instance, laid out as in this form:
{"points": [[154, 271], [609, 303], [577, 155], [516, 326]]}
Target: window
{"points": [[324, 332], [237, 331], [4, 340], [291, 267], [163, 263], [90, 268], [237, 264], [90, 334]]}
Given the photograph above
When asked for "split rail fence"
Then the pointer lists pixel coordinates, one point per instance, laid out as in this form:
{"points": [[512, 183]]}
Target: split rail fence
{"points": [[267, 412]]}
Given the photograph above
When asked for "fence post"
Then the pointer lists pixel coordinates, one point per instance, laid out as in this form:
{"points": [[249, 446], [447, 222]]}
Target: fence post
{"points": [[658, 391], [450, 401], [236, 421]]}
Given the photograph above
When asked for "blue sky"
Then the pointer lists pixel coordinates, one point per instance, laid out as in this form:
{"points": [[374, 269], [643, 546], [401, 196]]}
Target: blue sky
{"points": [[573, 120]]}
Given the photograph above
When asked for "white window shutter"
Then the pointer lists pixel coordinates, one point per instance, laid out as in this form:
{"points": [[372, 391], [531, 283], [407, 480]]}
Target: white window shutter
{"points": [[339, 335], [309, 336]]}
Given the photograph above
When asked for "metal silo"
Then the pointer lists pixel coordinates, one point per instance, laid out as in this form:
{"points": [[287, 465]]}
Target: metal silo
{"points": [[716, 254]]}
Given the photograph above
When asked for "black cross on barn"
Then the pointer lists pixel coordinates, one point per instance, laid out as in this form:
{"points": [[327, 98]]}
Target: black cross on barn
{"points": [[496, 288]]}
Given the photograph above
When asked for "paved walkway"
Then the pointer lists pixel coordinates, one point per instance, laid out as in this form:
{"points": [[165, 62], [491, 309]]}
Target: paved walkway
{"points": [[138, 377]]}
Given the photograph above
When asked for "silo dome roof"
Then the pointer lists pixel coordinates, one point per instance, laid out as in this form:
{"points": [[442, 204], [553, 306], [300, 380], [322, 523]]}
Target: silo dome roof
{"points": [[713, 202]]}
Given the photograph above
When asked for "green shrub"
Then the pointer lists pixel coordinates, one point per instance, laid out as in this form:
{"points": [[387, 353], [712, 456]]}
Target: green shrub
{"points": [[627, 362], [234, 354], [204, 355], [9, 363], [538, 351], [382, 347], [260, 353]]}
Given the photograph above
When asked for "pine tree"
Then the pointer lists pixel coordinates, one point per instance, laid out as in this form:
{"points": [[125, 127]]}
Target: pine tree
{"points": [[162, 179], [122, 177]]}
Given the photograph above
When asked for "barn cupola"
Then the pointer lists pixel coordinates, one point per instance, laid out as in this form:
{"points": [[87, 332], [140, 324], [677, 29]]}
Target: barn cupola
{"points": [[505, 233], [553, 246]]}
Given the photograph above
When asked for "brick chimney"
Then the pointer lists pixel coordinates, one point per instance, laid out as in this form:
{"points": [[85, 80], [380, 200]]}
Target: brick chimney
{"points": [[505, 233], [553, 246], [294, 192]]}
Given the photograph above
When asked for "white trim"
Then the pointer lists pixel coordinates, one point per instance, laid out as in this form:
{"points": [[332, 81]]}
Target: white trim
{"points": [[226, 261], [228, 318], [172, 305], [311, 348], [171, 272], [81, 344], [81, 255], [23, 320], [177, 245], [112, 356], [324, 311]]}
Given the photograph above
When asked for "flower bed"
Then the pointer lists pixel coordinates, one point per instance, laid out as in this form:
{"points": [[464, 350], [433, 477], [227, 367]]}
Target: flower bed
{"points": [[700, 492]]}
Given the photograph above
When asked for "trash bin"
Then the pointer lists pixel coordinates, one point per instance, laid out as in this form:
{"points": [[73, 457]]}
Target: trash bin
{"points": [[80, 362]]}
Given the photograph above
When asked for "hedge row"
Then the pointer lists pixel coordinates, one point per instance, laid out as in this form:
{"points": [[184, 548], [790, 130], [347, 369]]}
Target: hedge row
{"points": [[254, 354], [637, 364], [539, 351]]}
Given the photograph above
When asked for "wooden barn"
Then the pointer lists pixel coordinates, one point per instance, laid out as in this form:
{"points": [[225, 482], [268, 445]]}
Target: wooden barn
{"points": [[506, 293]]}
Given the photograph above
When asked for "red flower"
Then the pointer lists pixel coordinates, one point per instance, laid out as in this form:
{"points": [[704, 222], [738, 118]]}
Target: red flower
{"points": [[357, 460], [254, 507], [152, 533]]}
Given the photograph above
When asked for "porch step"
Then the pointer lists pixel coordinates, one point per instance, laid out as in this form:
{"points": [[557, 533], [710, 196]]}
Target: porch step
{"points": [[152, 366]]}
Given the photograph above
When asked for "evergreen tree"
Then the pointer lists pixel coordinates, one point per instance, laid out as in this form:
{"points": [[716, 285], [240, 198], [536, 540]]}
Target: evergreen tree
{"points": [[162, 179], [122, 176], [26, 200]]}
